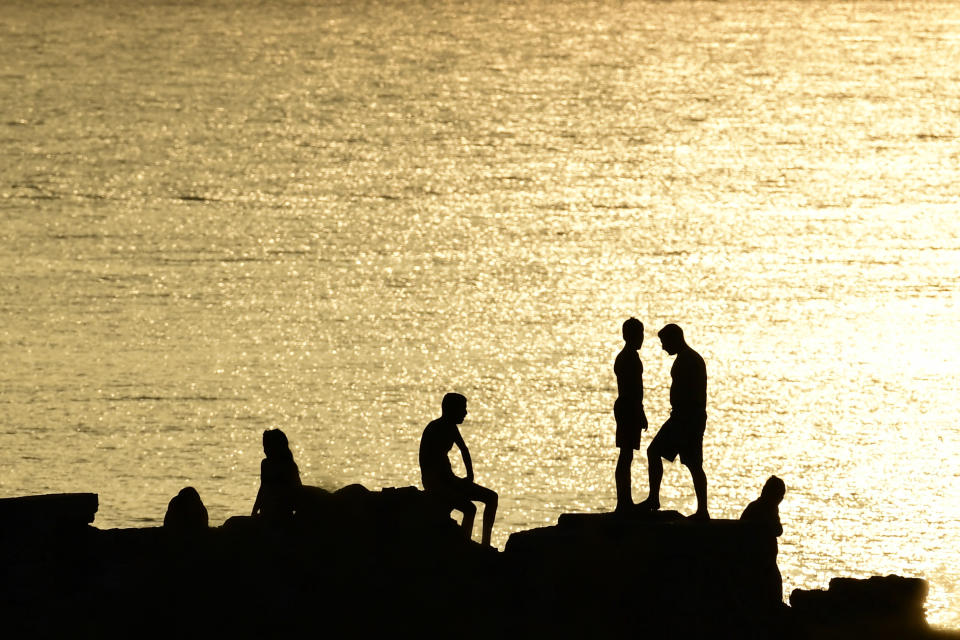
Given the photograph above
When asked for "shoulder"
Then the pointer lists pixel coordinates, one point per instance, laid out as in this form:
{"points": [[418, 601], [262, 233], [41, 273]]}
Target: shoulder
{"points": [[627, 359], [760, 510], [696, 357], [690, 359], [430, 428], [435, 428]]}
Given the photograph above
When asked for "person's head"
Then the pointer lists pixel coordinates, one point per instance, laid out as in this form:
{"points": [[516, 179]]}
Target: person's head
{"points": [[773, 490], [454, 406], [633, 332], [275, 444], [671, 337]]}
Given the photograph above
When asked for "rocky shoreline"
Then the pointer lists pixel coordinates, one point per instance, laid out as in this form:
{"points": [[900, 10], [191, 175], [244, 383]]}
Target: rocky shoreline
{"points": [[389, 562]]}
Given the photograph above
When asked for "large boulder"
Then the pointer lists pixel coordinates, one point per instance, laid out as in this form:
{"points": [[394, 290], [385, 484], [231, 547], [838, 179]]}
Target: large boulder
{"points": [[655, 573], [48, 512], [877, 607]]}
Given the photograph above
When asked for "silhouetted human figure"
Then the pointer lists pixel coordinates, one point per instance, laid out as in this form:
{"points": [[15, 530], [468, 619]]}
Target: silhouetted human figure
{"points": [[682, 433], [765, 510], [280, 484], [628, 408], [437, 475], [185, 512]]}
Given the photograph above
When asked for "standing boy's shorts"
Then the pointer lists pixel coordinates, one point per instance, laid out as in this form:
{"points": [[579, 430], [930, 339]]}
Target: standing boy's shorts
{"points": [[629, 423]]}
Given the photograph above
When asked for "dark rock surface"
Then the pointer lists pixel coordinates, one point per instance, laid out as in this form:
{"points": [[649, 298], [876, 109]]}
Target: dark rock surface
{"points": [[356, 563], [44, 512], [876, 607], [656, 573], [352, 564]]}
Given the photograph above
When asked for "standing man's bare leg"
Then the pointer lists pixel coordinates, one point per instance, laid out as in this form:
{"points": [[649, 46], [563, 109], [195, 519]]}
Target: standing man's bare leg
{"points": [[655, 471], [622, 475], [700, 486]]}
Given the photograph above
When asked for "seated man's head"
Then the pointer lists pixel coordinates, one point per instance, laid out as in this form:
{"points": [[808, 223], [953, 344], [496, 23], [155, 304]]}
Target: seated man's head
{"points": [[773, 490], [454, 406]]}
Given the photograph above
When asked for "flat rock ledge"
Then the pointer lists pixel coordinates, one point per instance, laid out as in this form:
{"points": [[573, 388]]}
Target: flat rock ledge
{"points": [[355, 563]]}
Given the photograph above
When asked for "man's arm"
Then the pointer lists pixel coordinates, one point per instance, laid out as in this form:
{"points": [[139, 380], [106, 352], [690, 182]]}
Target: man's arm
{"points": [[258, 503], [465, 453]]}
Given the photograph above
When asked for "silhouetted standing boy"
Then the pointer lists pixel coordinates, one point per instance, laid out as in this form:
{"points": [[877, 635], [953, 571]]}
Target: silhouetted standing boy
{"points": [[437, 475], [682, 433], [628, 408]]}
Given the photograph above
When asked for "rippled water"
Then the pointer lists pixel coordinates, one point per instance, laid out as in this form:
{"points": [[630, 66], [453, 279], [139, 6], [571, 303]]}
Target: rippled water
{"points": [[321, 216]]}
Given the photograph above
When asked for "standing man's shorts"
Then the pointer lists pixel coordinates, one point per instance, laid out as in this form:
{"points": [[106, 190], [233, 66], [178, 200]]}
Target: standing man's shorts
{"points": [[683, 435], [629, 423]]}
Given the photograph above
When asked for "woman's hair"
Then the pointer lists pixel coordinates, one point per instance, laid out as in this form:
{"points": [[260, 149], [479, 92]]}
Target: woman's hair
{"points": [[275, 444]]}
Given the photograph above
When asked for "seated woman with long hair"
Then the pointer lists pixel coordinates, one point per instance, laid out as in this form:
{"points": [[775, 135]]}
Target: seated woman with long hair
{"points": [[280, 485]]}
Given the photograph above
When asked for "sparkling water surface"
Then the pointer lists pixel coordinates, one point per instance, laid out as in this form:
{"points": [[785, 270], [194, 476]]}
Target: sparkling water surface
{"points": [[322, 216]]}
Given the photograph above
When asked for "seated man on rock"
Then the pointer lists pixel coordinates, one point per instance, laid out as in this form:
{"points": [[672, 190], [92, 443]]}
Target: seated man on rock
{"points": [[437, 475]]}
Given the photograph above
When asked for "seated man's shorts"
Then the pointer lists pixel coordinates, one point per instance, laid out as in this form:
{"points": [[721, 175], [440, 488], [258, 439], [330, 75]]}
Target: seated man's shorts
{"points": [[456, 491]]}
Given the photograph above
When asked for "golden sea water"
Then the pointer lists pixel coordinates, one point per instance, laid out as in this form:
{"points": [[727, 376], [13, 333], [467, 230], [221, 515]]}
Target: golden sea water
{"points": [[321, 216]]}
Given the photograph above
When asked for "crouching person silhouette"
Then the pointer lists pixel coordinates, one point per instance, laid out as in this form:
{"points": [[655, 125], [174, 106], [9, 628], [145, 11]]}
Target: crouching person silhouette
{"points": [[765, 510], [437, 475], [765, 513]]}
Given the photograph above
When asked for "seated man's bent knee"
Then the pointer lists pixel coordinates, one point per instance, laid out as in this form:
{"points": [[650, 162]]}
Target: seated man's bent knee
{"points": [[466, 507], [484, 495]]}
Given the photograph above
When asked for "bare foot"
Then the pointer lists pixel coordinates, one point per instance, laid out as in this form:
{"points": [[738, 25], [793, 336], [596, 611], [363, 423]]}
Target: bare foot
{"points": [[650, 504]]}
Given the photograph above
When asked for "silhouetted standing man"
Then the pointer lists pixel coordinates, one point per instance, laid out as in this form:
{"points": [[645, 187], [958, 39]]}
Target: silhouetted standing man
{"points": [[682, 433], [437, 475], [628, 408]]}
